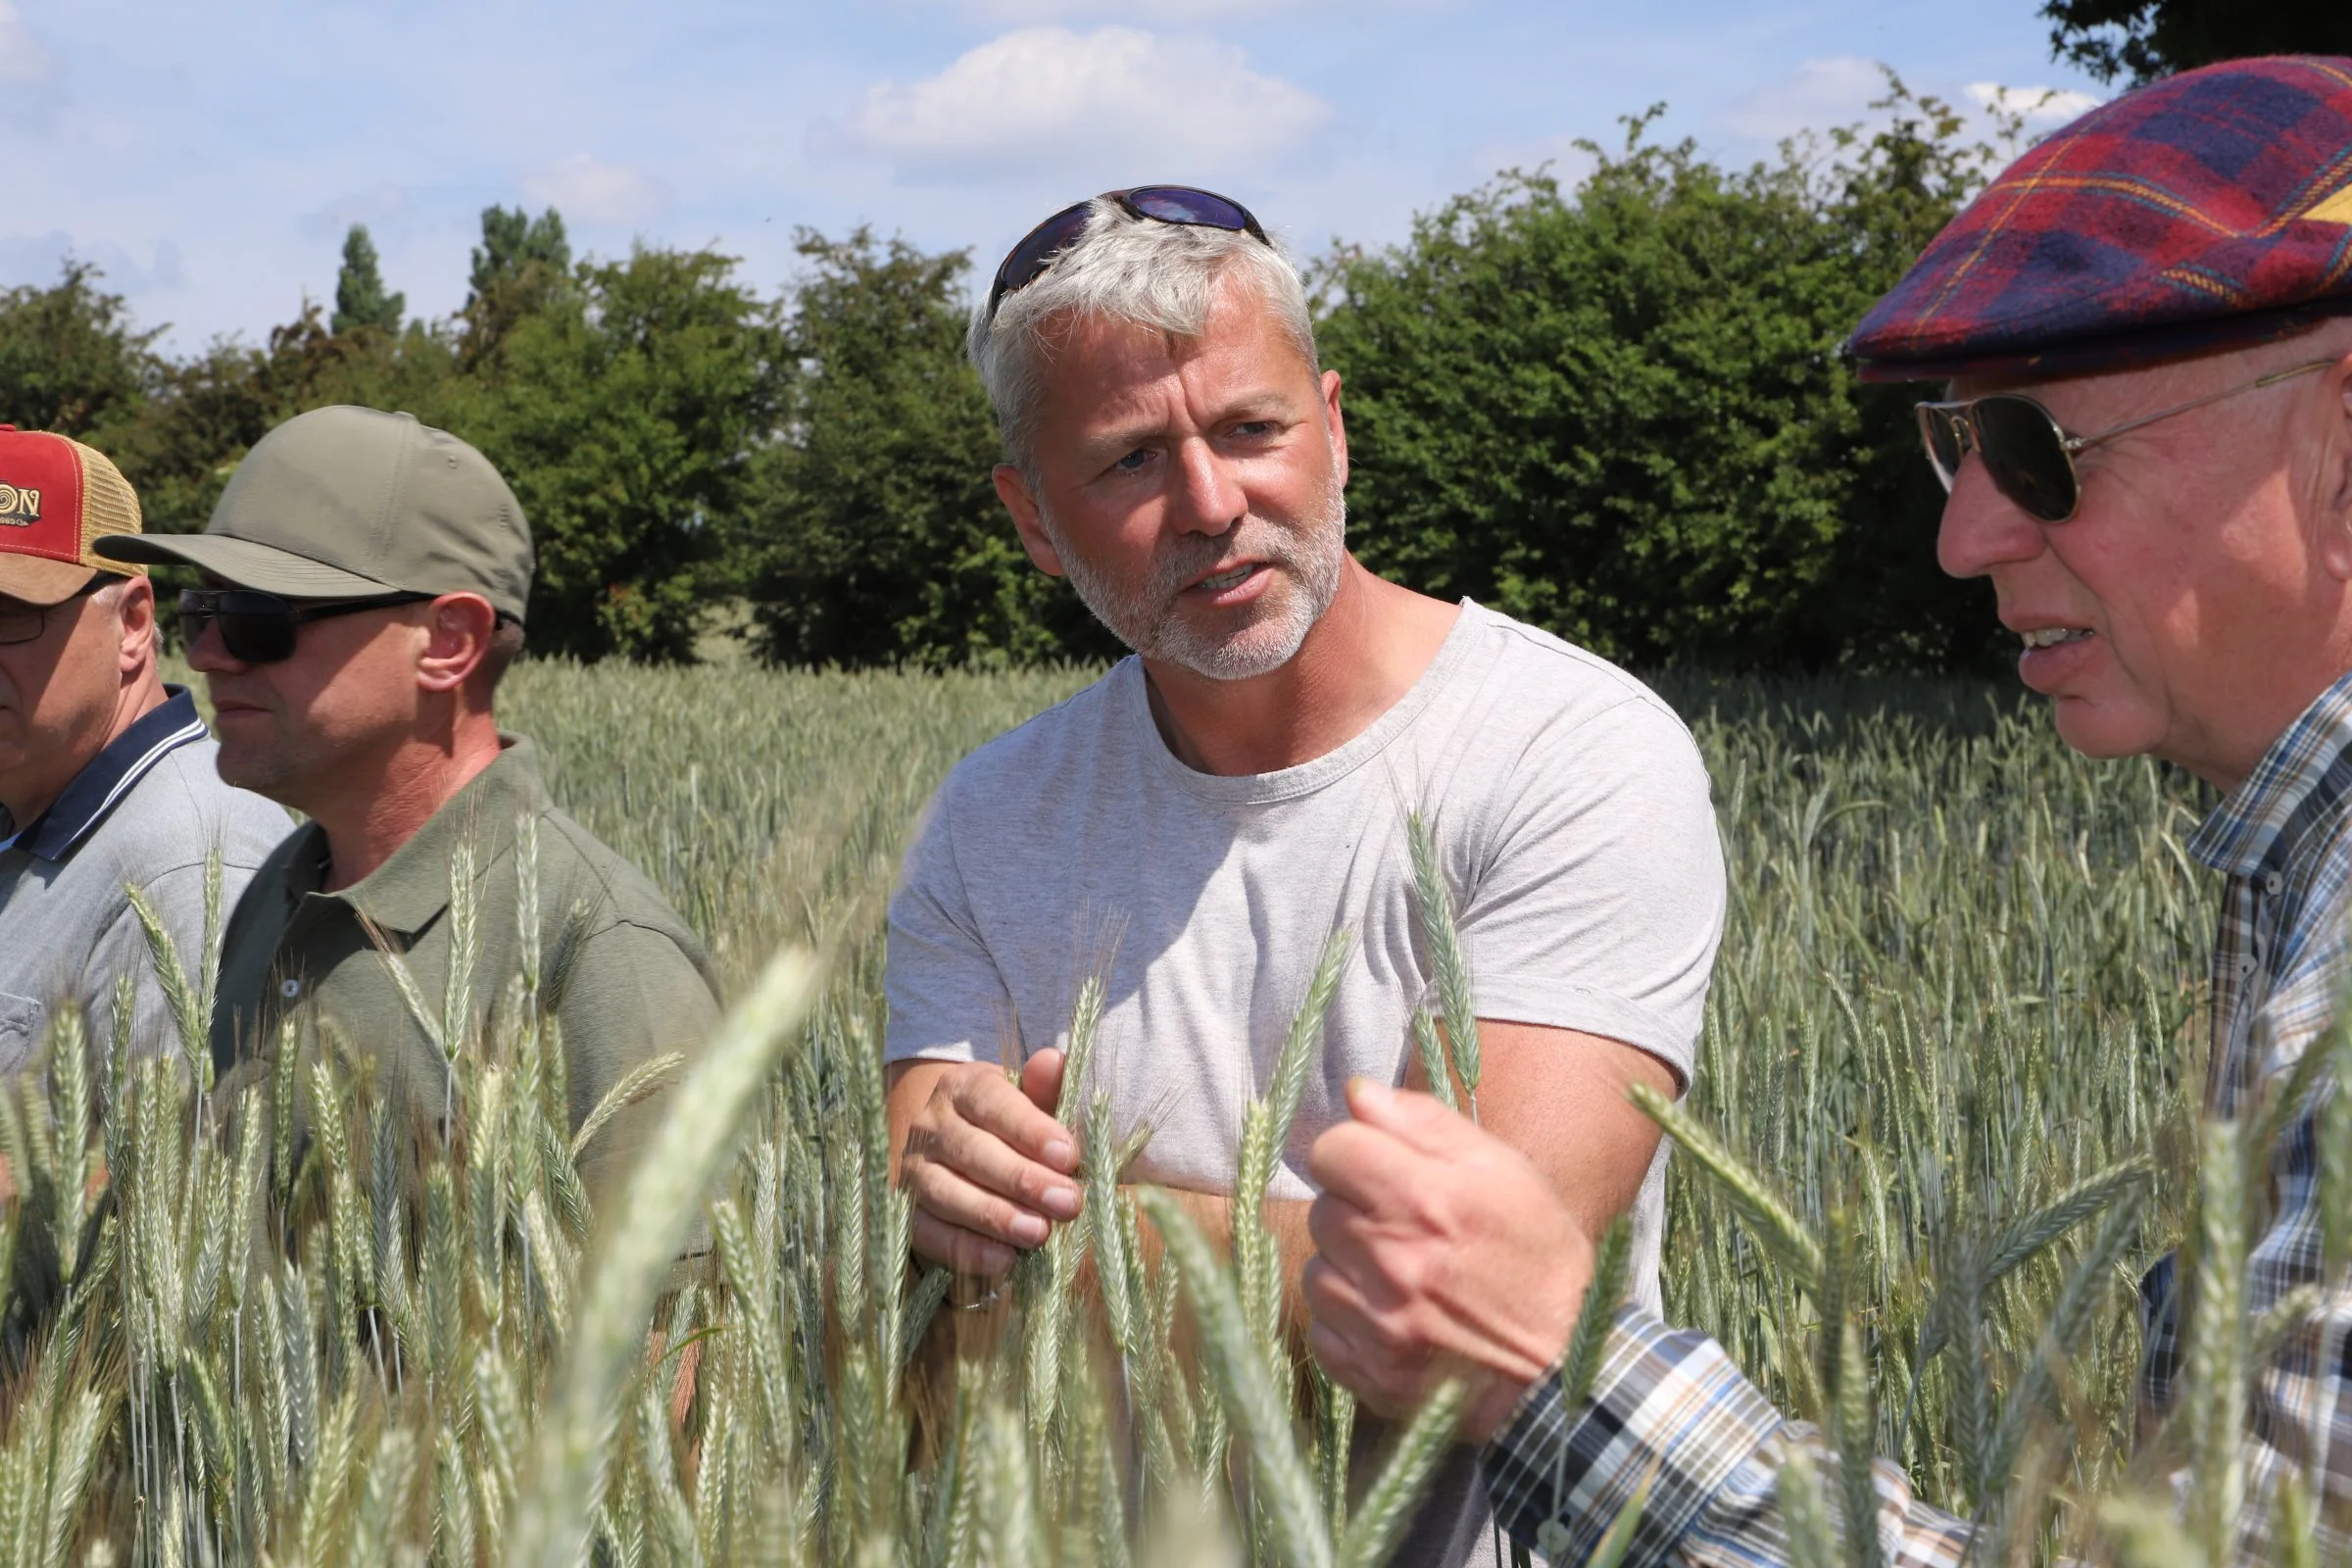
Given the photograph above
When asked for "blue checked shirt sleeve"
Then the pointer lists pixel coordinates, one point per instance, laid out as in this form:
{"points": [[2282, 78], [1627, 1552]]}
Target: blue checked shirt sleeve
{"points": [[1672, 1421]]}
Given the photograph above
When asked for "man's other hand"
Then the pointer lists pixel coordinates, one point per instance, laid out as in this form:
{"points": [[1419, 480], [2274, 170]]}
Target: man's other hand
{"points": [[1440, 1252], [987, 1168]]}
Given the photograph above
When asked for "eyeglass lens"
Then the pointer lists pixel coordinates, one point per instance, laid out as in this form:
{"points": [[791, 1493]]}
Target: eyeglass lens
{"points": [[2026, 456], [1041, 245], [2024, 450], [1945, 431], [1180, 204], [256, 628], [21, 623], [1169, 204]]}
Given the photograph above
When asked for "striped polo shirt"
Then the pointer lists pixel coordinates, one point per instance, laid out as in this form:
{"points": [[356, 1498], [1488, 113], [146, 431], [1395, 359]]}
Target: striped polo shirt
{"points": [[145, 813]]}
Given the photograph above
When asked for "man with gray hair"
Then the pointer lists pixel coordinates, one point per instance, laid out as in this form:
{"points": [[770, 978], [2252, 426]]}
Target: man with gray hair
{"points": [[1195, 825], [2144, 328], [107, 786]]}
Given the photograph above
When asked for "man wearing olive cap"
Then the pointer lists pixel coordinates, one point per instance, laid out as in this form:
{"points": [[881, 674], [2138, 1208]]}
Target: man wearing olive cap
{"points": [[106, 773], [2146, 329], [370, 577]]}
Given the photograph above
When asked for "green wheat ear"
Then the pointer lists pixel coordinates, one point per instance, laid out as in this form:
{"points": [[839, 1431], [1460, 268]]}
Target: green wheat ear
{"points": [[1812, 1544], [1768, 1219], [1433, 903], [1373, 1534], [657, 1214], [1612, 1264], [1283, 1486]]}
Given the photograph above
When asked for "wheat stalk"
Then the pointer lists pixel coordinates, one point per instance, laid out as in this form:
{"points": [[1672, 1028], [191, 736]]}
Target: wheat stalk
{"points": [[657, 1214]]}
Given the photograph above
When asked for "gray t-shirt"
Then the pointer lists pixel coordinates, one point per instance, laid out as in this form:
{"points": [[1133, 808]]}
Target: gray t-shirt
{"points": [[1571, 811]]}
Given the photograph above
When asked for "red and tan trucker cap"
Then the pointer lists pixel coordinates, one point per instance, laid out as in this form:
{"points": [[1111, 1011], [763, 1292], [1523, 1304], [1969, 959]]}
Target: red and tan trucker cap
{"points": [[57, 498]]}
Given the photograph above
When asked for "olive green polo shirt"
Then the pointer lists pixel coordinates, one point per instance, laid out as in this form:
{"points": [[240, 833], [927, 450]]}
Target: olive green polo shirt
{"points": [[640, 983]]}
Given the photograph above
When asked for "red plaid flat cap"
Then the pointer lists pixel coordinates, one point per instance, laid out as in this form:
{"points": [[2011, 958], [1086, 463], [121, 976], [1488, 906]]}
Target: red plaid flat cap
{"points": [[2209, 210]]}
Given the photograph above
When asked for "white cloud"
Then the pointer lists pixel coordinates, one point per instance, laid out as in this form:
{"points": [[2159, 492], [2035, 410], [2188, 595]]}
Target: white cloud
{"points": [[1817, 95], [1044, 96], [1838, 90], [25, 61], [589, 190], [2042, 108]]}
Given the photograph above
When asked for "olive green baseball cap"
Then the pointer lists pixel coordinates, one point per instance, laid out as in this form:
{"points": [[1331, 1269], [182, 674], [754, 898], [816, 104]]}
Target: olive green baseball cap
{"points": [[346, 503]]}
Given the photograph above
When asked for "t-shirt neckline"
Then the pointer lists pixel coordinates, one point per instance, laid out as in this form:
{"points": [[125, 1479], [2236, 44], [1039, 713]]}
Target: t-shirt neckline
{"points": [[1288, 783]]}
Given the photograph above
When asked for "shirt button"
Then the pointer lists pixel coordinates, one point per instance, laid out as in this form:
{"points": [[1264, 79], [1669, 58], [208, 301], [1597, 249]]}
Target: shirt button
{"points": [[289, 989], [2272, 882]]}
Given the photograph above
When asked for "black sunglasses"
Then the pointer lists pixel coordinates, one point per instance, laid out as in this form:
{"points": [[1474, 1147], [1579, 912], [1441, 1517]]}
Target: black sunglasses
{"points": [[1164, 204], [258, 628], [2027, 454]]}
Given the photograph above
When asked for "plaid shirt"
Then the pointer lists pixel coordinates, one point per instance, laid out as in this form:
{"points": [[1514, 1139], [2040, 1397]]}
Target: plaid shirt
{"points": [[1671, 1412]]}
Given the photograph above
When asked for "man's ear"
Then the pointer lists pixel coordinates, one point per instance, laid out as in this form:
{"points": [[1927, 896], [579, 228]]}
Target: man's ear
{"points": [[458, 628], [1012, 488], [134, 603], [1336, 423], [2334, 482]]}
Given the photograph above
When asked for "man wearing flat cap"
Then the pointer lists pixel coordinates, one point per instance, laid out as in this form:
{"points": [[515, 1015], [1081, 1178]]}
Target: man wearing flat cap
{"points": [[368, 580], [107, 786], [2146, 329]]}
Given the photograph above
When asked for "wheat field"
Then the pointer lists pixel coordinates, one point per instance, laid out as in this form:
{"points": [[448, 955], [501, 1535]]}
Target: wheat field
{"points": [[1957, 1017]]}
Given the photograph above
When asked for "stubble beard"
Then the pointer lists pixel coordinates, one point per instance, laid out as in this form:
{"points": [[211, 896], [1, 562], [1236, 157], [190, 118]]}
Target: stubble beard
{"points": [[1308, 558], [274, 766]]}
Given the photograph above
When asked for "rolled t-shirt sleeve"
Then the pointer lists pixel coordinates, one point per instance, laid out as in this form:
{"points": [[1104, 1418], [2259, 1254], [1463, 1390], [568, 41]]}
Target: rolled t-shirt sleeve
{"points": [[944, 988], [1601, 898]]}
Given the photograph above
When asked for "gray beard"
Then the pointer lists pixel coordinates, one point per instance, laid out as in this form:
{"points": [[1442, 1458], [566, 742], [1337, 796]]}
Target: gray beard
{"points": [[1308, 558]]}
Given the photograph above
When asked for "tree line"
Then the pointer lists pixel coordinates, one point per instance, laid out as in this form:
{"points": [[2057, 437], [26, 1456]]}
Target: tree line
{"points": [[1614, 407]]}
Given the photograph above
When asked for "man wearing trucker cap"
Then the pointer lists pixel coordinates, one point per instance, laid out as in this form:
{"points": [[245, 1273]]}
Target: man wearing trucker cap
{"points": [[2145, 331], [368, 578], [106, 773]]}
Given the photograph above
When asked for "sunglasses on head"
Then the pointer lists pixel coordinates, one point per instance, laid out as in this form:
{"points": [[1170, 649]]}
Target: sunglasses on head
{"points": [[1162, 203], [2027, 454], [258, 628]]}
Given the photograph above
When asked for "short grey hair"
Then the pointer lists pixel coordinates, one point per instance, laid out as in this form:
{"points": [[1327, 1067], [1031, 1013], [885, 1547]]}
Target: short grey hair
{"points": [[1156, 274]]}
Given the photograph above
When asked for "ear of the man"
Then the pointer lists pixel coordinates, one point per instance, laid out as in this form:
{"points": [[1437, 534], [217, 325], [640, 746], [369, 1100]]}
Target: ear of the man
{"points": [[458, 630], [2331, 486], [2341, 377], [1012, 488], [135, 607], [1336, 423]]}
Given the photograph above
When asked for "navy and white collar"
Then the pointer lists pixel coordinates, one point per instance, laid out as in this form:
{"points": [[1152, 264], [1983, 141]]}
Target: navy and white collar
{"points": [[112, 774]]}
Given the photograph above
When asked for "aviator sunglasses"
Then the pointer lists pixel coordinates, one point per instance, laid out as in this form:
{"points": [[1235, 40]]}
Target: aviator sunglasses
{"points": [[2027, 454], [258, 628], [1164, 204]]}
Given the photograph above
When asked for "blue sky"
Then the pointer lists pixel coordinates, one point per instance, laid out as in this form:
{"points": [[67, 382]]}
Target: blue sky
{"points": [[210, 156]]}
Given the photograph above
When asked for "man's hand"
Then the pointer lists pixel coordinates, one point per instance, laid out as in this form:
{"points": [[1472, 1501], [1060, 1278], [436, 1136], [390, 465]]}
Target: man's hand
{"points": [[985, 1162], [1440, 1252]]}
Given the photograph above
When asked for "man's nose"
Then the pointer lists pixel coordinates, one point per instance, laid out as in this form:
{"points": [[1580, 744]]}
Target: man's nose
{"points": [[1208, 497], [1981, 527]]}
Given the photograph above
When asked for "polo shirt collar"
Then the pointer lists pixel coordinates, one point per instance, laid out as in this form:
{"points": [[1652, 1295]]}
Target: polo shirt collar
{"points": [[2301, 781], [112, 774], [409, 890]]}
